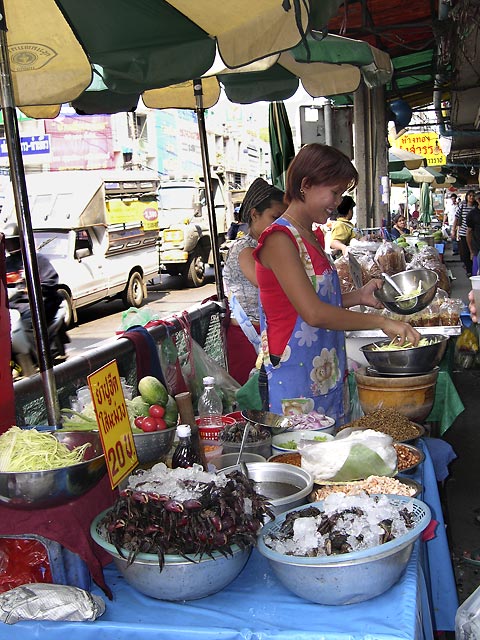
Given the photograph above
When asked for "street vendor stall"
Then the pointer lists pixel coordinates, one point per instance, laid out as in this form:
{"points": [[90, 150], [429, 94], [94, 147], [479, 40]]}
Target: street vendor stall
{"points": [[256, 605]]}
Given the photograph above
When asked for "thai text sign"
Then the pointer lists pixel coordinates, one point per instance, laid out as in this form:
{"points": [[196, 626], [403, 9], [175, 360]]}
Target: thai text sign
{"points": [[113, 422], [423, 144], [31, 145]]}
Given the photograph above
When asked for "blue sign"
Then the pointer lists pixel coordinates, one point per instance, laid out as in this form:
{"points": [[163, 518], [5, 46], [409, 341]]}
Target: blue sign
{"points": [[31, 145]]}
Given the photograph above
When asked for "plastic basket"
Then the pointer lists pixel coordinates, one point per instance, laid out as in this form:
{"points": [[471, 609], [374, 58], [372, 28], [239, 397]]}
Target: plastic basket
{"points": [[209, 432], [421, 515]]}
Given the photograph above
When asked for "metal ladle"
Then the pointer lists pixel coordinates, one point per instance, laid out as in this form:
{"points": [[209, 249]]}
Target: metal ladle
{"points": [[240, 462], [409, 303], [392, 283]]}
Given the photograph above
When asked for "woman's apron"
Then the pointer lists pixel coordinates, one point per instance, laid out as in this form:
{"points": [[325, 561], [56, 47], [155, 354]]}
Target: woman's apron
{"points": [[311, 374]]}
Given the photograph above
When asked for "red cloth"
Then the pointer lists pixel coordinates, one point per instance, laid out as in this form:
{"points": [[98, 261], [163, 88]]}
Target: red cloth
{"points": [[7, 398], [279, 311], [241, 355], [69, 525]]}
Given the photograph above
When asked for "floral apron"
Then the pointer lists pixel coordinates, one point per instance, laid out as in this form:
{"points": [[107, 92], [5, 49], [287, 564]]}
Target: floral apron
{"points": [[311, 373]]}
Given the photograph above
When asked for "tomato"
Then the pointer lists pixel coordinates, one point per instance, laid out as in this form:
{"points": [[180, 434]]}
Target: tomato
{"points": [[138, 421], [156, 411], [149, 424], [161, 424]]}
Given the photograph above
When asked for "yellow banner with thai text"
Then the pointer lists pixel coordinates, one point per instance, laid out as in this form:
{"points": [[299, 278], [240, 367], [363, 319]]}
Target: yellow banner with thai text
{"points": [[113, 422], [423, 144]]}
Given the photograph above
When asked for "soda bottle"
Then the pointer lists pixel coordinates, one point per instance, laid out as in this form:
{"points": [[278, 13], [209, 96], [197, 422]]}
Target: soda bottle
{"points": [[210, 404], [185, 455]]}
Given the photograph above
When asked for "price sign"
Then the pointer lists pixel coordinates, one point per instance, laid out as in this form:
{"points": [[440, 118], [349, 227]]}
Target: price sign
{"points": [[113, 422]]}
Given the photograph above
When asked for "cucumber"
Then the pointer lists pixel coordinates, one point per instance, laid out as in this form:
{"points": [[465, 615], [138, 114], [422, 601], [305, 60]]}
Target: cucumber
{"points": [[171, 412], [153, 391]]}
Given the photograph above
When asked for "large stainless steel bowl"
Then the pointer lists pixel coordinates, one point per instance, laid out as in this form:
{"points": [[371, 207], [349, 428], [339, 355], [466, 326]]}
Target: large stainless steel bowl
{"points": [[153, 446], [412, 360], [285, 485], [44, 489], [409, 281], [180, 579], [350, 577]]}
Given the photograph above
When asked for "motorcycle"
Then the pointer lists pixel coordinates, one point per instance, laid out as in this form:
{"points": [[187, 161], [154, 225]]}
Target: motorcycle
{"points": [[24, 356]]}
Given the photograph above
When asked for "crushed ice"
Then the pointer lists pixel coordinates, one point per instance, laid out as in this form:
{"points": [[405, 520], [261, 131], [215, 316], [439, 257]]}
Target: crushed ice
{"points": [[362, 531], [179, 484]]}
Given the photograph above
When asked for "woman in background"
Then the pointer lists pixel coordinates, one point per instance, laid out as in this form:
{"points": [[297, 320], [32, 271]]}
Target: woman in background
{"points": [[304, 319], [262, 205], [343, 230], [399, 227]]}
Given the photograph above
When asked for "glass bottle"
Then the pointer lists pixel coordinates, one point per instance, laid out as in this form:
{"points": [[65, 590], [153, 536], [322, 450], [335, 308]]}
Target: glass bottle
{"points": [[210, 404], [185, 455]]}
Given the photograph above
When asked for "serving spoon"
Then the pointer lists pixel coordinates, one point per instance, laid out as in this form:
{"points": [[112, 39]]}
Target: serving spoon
{"points": [[241, 463]]}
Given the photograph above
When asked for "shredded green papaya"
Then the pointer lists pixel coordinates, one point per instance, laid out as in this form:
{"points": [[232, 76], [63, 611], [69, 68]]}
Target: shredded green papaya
{"points": [[32, 450]]}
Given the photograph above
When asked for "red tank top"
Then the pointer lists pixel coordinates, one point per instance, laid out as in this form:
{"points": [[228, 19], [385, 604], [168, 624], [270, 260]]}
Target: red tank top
{"points": [[280, 314]]}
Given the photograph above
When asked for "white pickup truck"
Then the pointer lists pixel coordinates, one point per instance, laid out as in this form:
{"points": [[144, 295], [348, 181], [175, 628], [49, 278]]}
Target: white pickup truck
{"points": [[99, 229]]}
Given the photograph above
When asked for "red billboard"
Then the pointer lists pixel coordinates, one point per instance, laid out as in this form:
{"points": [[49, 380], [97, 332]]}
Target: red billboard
{"points": [[80, 142]]}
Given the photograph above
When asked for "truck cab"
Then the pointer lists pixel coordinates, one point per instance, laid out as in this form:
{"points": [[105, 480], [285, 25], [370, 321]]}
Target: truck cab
{"points": [[98, 229], [186, 245]]}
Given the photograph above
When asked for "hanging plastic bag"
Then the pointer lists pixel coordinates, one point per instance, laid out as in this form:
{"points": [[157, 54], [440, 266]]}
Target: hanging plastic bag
{"points": [[137, 317], [170, 364]]}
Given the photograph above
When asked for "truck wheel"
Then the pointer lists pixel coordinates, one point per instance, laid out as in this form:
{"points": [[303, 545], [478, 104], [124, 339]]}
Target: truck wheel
{"points": [[134, 294], [67, 306], [195, 271]]}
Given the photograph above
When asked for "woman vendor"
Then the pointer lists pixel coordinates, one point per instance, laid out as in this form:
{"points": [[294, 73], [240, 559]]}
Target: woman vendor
{"points": [[303, 317], [342, 229], [399, 227], [262, 205]]}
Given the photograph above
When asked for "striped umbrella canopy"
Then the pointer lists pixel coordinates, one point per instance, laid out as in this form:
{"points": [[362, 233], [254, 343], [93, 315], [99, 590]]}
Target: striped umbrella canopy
{"points": [[399, 159]]}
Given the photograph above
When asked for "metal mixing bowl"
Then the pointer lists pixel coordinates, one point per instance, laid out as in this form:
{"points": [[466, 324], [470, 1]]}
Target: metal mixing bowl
{"points": [[44, 489], [412, 360], [274, 421], [154, 446], [285, 486], [180, 579], [408, 281], [350, 577]]}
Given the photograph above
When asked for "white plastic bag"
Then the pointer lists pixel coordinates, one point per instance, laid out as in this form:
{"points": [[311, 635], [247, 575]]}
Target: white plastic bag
{"points": [[354, 457], [49, 602]]}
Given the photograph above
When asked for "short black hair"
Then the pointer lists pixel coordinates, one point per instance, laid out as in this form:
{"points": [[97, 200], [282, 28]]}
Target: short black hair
{"points": [[346, 204]]}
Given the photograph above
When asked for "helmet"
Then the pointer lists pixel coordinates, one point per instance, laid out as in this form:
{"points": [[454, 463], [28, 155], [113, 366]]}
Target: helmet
{"points": [[11, 231]]}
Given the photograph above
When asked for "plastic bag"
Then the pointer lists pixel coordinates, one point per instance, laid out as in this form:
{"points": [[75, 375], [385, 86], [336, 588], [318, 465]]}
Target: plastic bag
{"points": [[390, 258], [49, 602], [23, 561], [196, 365], [133, 317], [170, 365], [354, 456]]}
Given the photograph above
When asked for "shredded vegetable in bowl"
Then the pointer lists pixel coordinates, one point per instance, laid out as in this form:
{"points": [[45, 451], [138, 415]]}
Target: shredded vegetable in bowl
{"points": [[394, 346], [31, 450]]}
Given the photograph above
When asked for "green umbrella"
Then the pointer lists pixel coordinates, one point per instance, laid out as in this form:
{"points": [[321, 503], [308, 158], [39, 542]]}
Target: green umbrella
{"points": [[400, 177], [426, 204], [282, 150]]}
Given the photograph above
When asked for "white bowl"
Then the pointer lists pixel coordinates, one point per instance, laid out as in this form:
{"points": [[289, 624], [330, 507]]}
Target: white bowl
{"points": [[327, 422], [296, 436]]}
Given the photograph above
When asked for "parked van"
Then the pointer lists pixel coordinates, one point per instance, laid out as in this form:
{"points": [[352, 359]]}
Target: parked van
{"points": [[99, 229]]}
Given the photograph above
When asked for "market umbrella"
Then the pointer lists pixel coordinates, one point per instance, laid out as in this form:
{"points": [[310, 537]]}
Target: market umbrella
{"points": [[426, 204], [399, 159], [282, 150]]}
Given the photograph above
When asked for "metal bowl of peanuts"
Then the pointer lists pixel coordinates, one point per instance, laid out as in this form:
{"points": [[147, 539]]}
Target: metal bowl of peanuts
{"points": [[371, 485], [408, 457]]}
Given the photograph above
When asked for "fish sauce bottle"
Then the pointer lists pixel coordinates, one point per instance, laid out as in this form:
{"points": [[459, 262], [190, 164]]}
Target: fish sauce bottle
{"points": [[210, 404], [185, 455]]}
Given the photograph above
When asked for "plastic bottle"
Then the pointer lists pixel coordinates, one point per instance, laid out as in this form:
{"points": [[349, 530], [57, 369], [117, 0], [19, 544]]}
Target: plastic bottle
{"points": [[185, 455], [210, 404]]}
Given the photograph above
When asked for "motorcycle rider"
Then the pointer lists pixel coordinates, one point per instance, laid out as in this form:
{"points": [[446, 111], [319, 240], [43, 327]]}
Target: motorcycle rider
{"points": [[48, 280]]}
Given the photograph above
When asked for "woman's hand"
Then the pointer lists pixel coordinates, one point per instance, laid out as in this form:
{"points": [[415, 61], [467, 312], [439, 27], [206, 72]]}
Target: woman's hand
{"points": [[366, 293], [401, 332], [471, 306]]}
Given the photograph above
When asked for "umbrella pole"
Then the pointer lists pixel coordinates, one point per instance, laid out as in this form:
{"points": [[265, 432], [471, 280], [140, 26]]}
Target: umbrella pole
{"points": [[199, 110], [32, 278]]}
